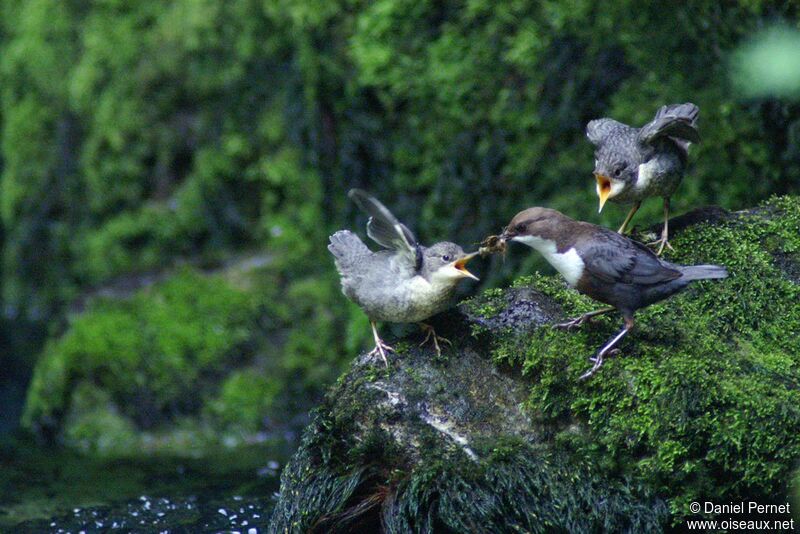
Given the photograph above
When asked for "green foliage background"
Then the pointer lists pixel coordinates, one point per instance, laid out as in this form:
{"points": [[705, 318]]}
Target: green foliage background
{"points": [[140, 136]]}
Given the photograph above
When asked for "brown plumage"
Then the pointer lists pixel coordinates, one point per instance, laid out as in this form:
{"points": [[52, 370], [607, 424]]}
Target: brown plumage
{"points": [[603, 265]]}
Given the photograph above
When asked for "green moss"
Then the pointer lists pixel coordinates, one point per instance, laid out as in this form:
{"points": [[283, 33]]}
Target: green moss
{"points": [[135, 241], [540, 492], [331, 487], [245, 398], [94, 423], [153, 358], [372, 457], [704, 399], [487, 304]]}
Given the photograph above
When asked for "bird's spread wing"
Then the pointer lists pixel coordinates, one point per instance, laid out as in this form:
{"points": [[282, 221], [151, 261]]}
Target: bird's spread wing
{"points": [[677, 121], [600, 131], [386, 230], [617, 259]]}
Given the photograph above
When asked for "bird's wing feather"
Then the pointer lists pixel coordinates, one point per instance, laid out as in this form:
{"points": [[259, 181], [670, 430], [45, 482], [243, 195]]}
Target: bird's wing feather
{"points": [[617, 259], [601, 130], [384, 228], [677, 121]]}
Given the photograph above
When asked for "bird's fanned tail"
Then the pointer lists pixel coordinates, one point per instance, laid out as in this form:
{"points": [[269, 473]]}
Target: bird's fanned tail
{"points": [[704, 272], [347, 249]]}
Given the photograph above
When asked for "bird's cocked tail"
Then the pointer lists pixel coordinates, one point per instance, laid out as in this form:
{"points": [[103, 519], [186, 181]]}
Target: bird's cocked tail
{"points": [[704, 272], [347, 249]]}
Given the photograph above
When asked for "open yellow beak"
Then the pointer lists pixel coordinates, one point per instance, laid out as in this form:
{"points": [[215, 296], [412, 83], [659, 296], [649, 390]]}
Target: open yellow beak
{"points": [[603, 189], [460, 263]]}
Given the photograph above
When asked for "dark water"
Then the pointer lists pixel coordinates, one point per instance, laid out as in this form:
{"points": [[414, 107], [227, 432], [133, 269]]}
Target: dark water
{"points": [[44, 490]]}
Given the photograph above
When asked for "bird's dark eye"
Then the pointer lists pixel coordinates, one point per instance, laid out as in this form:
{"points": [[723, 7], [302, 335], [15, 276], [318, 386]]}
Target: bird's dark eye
{"points": [[617, 171], [520, 227], [446, 257]]}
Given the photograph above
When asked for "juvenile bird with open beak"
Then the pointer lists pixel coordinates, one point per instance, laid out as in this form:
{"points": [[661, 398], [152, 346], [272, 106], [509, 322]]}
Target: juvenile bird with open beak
{"points": [[404, 283], [632, 164], [603, 265]]}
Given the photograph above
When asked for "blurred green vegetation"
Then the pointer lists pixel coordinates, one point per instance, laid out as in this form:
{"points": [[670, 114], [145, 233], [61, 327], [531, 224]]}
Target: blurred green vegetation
{"points": [[181, 367], [148, 358], [139, 137], [768, 64]]}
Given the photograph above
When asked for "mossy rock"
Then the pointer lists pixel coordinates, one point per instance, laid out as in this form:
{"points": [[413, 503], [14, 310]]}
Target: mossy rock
{"points": [[175, 367], [499, 435]]}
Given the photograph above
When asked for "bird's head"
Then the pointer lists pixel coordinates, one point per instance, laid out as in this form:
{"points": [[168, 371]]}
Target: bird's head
{"points": [[533, 226], [613, 175], [446, 262], [614, 157]]}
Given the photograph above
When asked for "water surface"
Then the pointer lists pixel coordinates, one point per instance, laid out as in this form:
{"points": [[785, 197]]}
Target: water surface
{"points": [[53, 490]]}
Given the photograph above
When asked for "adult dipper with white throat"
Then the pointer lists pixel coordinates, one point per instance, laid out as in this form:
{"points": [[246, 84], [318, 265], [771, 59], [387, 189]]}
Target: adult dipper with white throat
{"points": [[603, 265], [406, 282], [632, 164]]}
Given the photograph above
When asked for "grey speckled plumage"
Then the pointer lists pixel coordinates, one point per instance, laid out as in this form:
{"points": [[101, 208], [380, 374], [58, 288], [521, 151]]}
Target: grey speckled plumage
{"points": [[404, 283], [632, 164], [385, 283]]}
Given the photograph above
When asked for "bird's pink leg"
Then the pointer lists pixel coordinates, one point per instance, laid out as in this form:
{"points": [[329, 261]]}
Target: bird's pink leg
{"points": [[431, 333], [585, 318], [608, 348], [380, 346], [627, 220], [663, 242]]}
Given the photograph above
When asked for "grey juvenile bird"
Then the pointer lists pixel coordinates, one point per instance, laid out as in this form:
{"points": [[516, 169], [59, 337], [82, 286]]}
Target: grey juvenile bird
{"points": [[632, 164], [604, 265], [407, 282]]}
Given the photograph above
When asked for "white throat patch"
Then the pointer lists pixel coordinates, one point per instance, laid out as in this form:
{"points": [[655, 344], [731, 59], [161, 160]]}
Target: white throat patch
{"points": [[646, 173], [569, 264], [616, 187]]}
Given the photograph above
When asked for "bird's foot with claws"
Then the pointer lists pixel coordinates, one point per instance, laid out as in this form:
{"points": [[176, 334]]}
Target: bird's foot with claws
{"points": [[598, 362], [585, 318], [661, 243], [381, 349], [431, 334], [572, 323]]}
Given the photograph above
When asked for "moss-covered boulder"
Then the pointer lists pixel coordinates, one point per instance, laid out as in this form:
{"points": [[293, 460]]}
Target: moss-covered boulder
{"points": [[498, 435], [173, 367]]}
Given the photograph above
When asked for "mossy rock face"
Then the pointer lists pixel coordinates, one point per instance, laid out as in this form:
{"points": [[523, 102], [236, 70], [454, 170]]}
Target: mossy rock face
{"points": [[176, 367], [498, 435], [444, 444]]}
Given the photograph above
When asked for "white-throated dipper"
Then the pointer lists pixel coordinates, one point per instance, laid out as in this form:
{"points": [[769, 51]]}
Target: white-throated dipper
{"points": [[407, 282], [603, 265], [632, 164]]}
